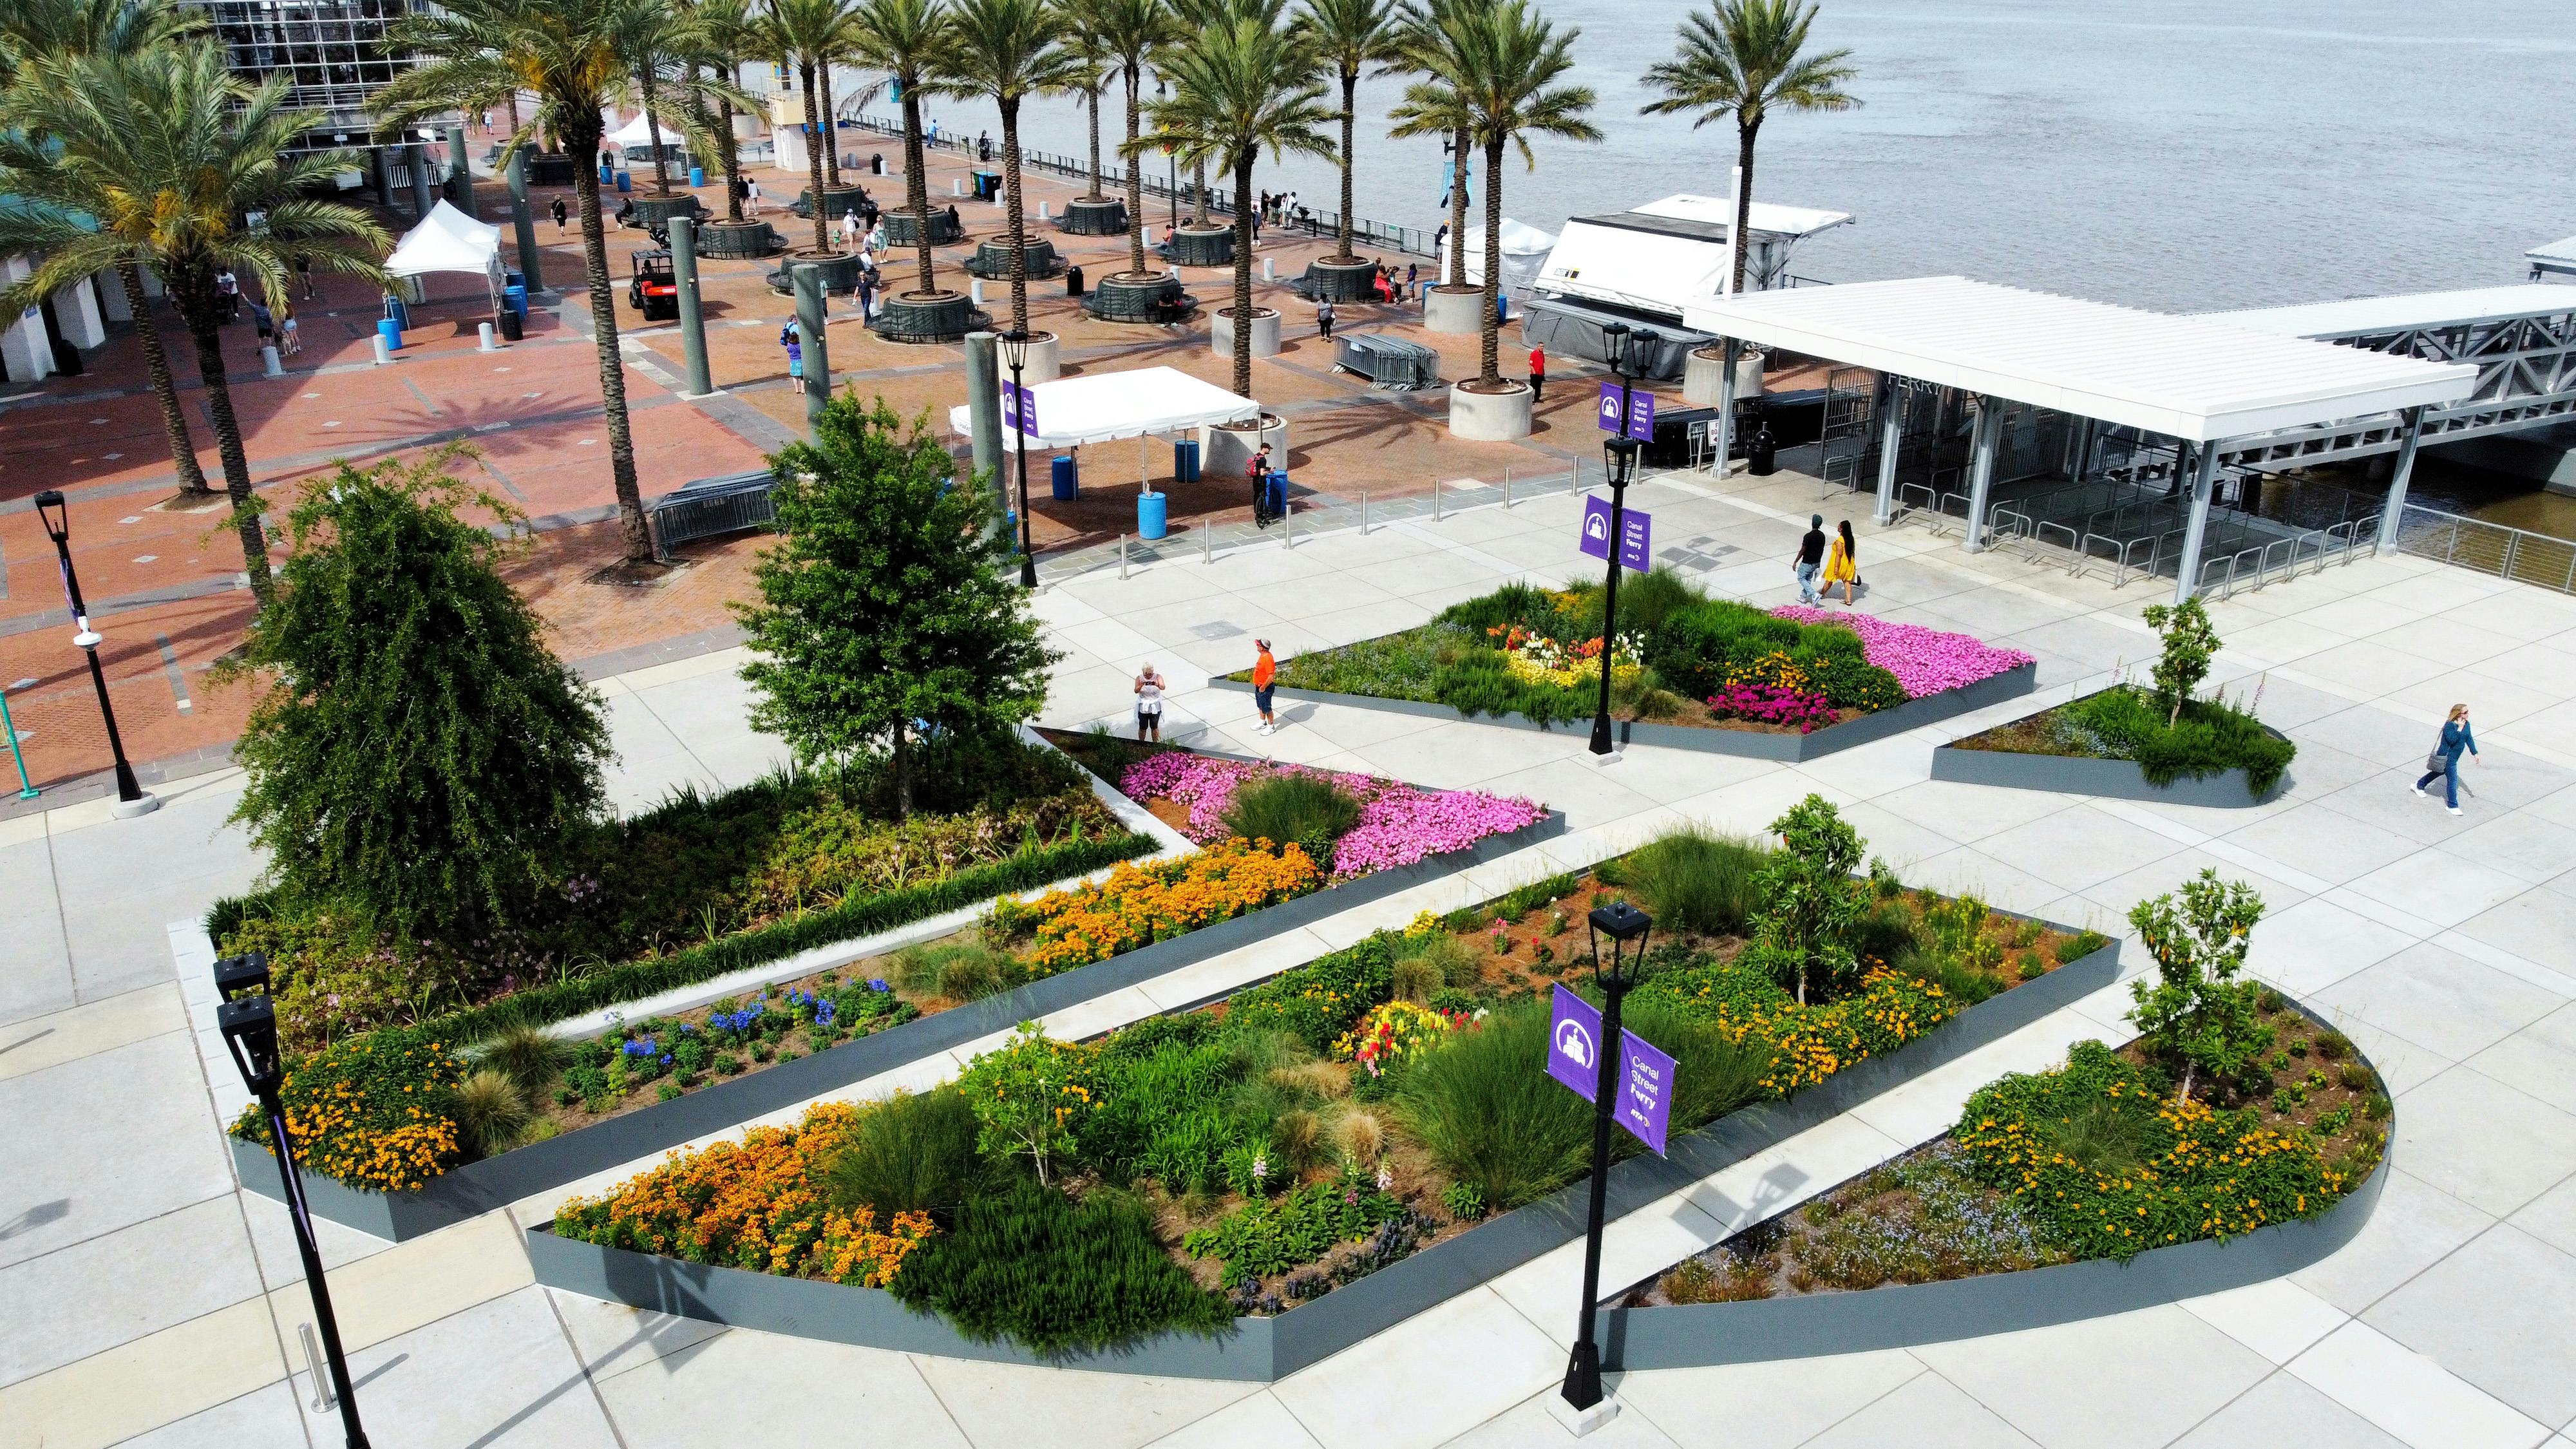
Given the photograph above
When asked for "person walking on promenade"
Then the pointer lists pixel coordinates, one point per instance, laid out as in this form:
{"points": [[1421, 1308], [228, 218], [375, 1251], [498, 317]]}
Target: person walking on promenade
{"points": [[2444, 763], [751, 201], [1258, 470], [1412, 278], [1149, 704], [1324, 318], [849, 226], [1842, 566], [1810, 559], [1538, 373], [1265, 677], [289, 342], [562, 214], [304, 273], [791, 338]]}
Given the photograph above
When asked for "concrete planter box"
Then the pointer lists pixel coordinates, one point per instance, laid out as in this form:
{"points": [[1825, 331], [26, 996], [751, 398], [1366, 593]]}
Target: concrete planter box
{"points": [[1453, 314], [1085, 216], [1209, 247], [1265, 332], [1491, 417], [1266, 1349], [2111, 779], [1704, 376], [1226, 451], [481, 1187], [1044, 362], [1751, 744]]}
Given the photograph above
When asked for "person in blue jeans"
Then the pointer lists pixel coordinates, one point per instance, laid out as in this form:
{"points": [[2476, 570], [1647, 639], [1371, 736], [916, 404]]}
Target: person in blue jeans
{"points": [[1810, 559], [2455, 738]]}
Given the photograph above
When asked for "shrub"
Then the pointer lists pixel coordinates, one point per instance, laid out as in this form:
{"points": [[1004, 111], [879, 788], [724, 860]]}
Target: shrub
{"points": [[1033, 1265], [489, 1110], [1810, 902], [1306, 809], [1273, 1235], [2189, 644], [2196, 1010], [754, 1204], [1318, 1002], [1490, 1115], [2201, 1173], [1696, 880], [912, 1153], [1463, 1201], [370, 1112], [2207, 738], [1032, 1097], [1693, 647], [1417, 976]]}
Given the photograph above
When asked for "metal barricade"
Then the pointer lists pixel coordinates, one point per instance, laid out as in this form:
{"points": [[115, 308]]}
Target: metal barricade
{"points": [[710, 507]]}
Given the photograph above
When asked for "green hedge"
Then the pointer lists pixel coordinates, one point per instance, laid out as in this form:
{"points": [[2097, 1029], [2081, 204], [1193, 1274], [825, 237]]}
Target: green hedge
{"points": [[2209, 738], [760, 945]]}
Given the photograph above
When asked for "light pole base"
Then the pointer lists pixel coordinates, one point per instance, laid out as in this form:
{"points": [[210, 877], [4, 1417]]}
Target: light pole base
{"points": [[1579, 1422], [1603, 762], [130, 809]]}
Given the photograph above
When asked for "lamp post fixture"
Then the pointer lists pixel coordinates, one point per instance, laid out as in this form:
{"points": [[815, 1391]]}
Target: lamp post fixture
{"points": [[1172, 162], [248, 1022], [1625, 929], [1619, 460], [56, 516], [1015, 355]]}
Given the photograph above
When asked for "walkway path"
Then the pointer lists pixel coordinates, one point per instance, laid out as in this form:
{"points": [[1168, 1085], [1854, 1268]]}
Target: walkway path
{"points": [[2447, 947]]}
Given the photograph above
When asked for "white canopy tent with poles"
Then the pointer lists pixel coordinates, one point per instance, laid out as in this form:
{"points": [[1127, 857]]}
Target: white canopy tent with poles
{"points": [[447, 240], [1141, 403]]}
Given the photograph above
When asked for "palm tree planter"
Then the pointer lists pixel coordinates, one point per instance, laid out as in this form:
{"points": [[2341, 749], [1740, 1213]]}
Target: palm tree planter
{"points": [[1350, 35], [1005, 51], [1130, 32], [1038, 259], [1204, 246], [1093, 216], [909, 41]]}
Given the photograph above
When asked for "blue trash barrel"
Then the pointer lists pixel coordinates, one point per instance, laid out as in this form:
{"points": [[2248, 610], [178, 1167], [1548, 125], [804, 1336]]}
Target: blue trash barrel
{"points": [[1152, 515], [607, 174], [697, 176], [400, 313], [1278, 492], [391, 331], [515, 297], [513, 278], [1185, 461], [1068, 480], [625, 180]]}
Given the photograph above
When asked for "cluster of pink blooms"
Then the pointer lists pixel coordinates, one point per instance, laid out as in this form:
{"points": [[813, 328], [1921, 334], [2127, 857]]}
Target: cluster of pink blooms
{"points": [[1924, 661], [1771, 704], [1399, 824]]}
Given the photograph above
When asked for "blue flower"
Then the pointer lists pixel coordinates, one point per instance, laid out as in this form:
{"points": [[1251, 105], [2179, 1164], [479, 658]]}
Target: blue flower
{"points": [[666, 1059], [877, 984]]}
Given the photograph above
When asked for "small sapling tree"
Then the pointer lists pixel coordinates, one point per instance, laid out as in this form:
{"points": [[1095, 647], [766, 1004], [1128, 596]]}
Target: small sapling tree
{"points": [[2190, 643], [2195, 1008]]}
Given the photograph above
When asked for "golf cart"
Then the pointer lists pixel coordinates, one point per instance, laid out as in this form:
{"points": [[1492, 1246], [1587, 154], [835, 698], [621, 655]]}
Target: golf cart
{"points": [[654, 291]]}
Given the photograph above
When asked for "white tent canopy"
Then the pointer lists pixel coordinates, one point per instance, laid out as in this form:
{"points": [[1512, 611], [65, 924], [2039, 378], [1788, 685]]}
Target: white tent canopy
{"points": [[1103, 407], [447, 240], [1525, 250], [2183, 377], [637, 133]]}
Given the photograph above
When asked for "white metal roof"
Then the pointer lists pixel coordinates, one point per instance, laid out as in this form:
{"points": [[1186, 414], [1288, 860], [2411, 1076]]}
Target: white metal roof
{"points": [[2370, 316], [2558, 256], [2185, 377], [1101, 407], [1770, 216]]}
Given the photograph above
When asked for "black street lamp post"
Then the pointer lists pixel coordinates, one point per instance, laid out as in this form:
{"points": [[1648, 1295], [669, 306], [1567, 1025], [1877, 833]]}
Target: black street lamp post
{"points": [[1625, 928], [1015, 355], [56, 516], [1623, 350], [249, 1024]]}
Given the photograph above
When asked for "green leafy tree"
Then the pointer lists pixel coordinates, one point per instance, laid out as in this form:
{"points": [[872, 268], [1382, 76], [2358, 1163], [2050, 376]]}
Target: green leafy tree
{"points": [[2196, 1009], [1746, 59], [1811, 900], [886, 605], [1006, 51], [2190, 643], [153, 160], [1495, 78], [576, 57], [1249, 84], [909, 41], [1350, 36], [415, 751], [1032, 1097]]}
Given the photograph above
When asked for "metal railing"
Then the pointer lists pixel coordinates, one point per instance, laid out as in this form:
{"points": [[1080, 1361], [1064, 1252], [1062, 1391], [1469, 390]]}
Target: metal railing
{"points": [[2490, 548]]}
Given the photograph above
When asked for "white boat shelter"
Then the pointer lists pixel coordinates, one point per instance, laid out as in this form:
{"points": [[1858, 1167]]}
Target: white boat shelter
{"points": [[2556, 258], [2209, 386]]}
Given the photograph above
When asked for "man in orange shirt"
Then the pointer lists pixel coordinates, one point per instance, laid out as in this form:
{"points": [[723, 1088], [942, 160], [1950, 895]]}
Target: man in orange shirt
{"points": [[1265, 673], [1538, 373]]}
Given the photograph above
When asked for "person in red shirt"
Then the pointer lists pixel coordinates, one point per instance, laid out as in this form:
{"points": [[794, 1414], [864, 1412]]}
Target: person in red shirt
{"points": [[1538, 373], [1265, 674]]}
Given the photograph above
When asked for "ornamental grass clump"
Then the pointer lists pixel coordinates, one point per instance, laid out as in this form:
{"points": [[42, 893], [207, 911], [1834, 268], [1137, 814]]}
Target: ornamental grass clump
{"points": [[1309, 810], [1044, 1270], [1697, 880], [916, 1152]]}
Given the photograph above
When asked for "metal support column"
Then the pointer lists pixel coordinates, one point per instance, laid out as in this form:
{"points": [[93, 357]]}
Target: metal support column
{"points": [[1981, 467], [984, 416], [2203, 475], [810, 317], [416, 156], [383, 172], [523, 222], [2393, 513], [461, 169], [693, 322], [1725, 441], [1891, 432]]}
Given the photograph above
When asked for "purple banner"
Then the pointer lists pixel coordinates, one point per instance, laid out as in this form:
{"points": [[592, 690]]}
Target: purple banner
{"points": [[1636, 534], [1643, 1104], [1609, 419], [1010, 407], [1640, 412], [1020, 409]]}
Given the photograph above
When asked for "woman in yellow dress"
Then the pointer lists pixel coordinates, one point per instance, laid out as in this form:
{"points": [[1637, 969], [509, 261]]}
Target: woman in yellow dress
{"points": [[1843, 564]]}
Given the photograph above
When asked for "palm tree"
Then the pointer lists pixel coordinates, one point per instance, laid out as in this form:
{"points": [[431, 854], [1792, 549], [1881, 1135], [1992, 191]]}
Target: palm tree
{"points": [[1007, 51], [1247, 85], [1746, 58], [729, 32], [1501, 79], [1351, 35], [152, 160], [814, 33], [1087, 38], [1131, 32], [569, 53], [1422, 48], [909, 40], [69, 28]]}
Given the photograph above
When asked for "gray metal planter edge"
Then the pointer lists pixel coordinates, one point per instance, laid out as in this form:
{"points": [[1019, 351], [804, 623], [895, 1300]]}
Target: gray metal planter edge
{"points": [[1262, 1349], [1793, 749], [480, 1187], [2109, 779]]}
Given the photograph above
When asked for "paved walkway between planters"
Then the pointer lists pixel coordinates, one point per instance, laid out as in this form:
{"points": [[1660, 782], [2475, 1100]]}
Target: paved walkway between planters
{"points": [[2446, 947]]}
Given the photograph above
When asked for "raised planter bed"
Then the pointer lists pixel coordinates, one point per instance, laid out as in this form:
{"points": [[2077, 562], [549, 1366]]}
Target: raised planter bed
{"points": [[2056, 749], [653, 211], [1327, 280], [943, 316], [738, 240], [1156, 299], [840, 271], [1788, 747], [1262, 1349], [480, 1187], [902, 228], [992, 259], [1086, 216], [2110, 779], [1212, 247]]}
